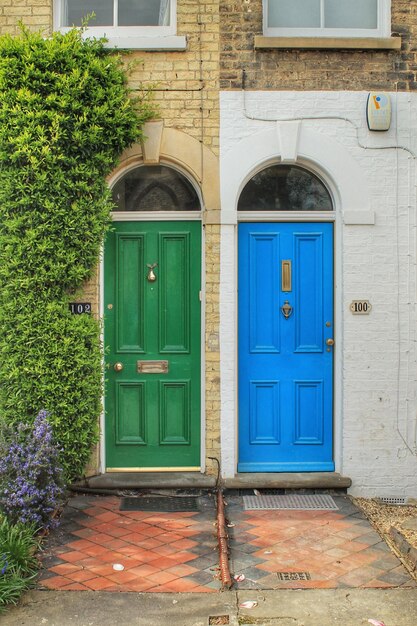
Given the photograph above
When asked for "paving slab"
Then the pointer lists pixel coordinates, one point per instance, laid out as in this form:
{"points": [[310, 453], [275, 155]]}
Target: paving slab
{"points": [[100, 608], [333, 607], [313, 607]]}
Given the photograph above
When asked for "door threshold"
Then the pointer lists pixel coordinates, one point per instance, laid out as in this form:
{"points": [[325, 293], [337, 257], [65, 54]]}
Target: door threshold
{"points": [[296, 480], [130, 470], [145, 480]]}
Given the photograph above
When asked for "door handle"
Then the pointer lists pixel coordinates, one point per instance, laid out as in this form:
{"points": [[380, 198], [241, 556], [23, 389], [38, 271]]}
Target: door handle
{"points": [[118, 367], [330, 342]]}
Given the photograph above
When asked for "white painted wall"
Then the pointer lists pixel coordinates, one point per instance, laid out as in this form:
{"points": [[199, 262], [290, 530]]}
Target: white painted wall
{"points": [[374, 193]]}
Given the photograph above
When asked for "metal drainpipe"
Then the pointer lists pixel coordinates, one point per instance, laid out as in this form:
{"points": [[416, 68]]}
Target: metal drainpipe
{"points": [[222, 532], [222, 538]]}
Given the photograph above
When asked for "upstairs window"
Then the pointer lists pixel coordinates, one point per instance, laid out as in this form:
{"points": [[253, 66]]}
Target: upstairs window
{"points": [[124, 22], [327, 18]]}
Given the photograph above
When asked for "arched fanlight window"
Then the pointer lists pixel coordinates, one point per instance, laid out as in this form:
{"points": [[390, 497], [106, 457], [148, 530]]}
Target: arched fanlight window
{"points": [[285, 188], [155, 188]]}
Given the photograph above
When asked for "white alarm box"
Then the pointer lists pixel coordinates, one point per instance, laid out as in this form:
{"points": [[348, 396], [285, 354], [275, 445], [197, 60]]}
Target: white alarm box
{"points": [[378, 111]]}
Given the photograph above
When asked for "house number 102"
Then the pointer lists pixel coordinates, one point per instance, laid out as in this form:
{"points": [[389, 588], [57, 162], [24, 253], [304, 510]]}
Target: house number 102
{"points": [[361, 307]]}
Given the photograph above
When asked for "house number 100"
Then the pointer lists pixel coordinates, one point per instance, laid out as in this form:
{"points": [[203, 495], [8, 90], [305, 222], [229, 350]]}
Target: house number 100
{"points": [[361, 307]]}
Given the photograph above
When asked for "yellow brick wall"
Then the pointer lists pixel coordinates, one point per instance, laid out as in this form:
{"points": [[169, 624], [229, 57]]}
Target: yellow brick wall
{"points": [[186, 92], [35, 14]]}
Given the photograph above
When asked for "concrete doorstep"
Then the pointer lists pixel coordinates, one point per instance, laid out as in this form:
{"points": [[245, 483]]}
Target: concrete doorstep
{"points": [[330, 607]]}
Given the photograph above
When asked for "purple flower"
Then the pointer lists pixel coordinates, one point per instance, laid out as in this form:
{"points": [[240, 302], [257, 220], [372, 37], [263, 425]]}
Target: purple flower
{"points": [[31, 475]]}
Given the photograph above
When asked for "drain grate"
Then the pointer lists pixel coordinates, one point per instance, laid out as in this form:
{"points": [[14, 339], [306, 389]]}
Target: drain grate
{"points": [[293, 576], [313, 502], [168, 504]]}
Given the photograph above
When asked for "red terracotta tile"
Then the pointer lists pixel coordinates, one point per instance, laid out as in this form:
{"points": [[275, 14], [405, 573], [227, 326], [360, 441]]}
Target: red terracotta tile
{"points": [[72, 557], [95, 550], [88, 562], [165, 550], [75, 587], [103, 527], [184, 544], [128, 549], [130, 562], [56, 582], [135, 538], [144, 570], [148, 543], [98, 584], [80, 544], [99, 537], [181, 585], [143, 556], [102, 570], [119, 531], [182, 570], [183, 557], [123, 577], [166, 537], [84, 533], [140, 585], [64, 569], [81, 575], [152, 531], [163, 562], [161, 577], [108, 516], [114, 544]]}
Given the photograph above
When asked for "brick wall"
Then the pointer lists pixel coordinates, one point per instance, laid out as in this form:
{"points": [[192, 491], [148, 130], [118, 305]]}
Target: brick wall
{"points": [[313, 69], [35, 14]]}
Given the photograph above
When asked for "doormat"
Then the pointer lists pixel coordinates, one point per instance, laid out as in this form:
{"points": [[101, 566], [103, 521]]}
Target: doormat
{"points": [[313, 502], [293, 576], [164, 504]]}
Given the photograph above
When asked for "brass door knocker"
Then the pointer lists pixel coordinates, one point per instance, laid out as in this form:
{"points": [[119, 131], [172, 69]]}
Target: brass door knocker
{"points": [[151, 277], [286, 309]]}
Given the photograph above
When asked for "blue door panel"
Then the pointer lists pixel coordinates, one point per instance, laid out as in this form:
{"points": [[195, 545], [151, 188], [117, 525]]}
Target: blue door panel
{"points": [[308, 290], [285, 367], [264, 324], [264, 412]]}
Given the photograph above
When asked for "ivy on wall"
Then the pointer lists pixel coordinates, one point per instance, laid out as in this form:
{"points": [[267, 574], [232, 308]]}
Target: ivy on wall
{"points": [[65, 117]]}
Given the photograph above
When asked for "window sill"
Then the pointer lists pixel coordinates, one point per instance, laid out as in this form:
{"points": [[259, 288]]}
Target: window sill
{"points": [[334, 43], [173, 43]]}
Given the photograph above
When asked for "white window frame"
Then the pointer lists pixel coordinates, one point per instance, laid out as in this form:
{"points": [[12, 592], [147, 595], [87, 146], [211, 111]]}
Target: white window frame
{"points": [[138, 37], [383, 29]]}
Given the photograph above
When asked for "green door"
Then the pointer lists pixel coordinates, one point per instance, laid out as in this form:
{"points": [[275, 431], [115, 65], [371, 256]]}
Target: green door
{"points": [[152, 333]]}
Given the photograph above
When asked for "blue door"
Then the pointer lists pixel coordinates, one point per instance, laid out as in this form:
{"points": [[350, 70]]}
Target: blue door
{"points": [[285, 347]]}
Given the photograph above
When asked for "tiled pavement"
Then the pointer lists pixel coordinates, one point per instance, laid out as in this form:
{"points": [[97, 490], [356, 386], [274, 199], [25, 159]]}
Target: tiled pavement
{"points": [[334, 549], [164, 552], [177, 552]]}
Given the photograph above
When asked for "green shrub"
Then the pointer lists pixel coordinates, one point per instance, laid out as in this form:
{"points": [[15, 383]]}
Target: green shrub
{"points": [[18, 562], [65, 116]]}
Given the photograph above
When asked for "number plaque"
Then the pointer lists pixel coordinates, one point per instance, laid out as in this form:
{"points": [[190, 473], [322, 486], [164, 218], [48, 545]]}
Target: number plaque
{"points": [[360, 307], [77, 308]]}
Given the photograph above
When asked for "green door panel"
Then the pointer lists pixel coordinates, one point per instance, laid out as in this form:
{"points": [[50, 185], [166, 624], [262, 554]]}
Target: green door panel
{"points": [[153, 419]]}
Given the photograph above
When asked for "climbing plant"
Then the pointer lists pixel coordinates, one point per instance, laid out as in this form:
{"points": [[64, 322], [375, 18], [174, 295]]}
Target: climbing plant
{"points": [[66, 114]]}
